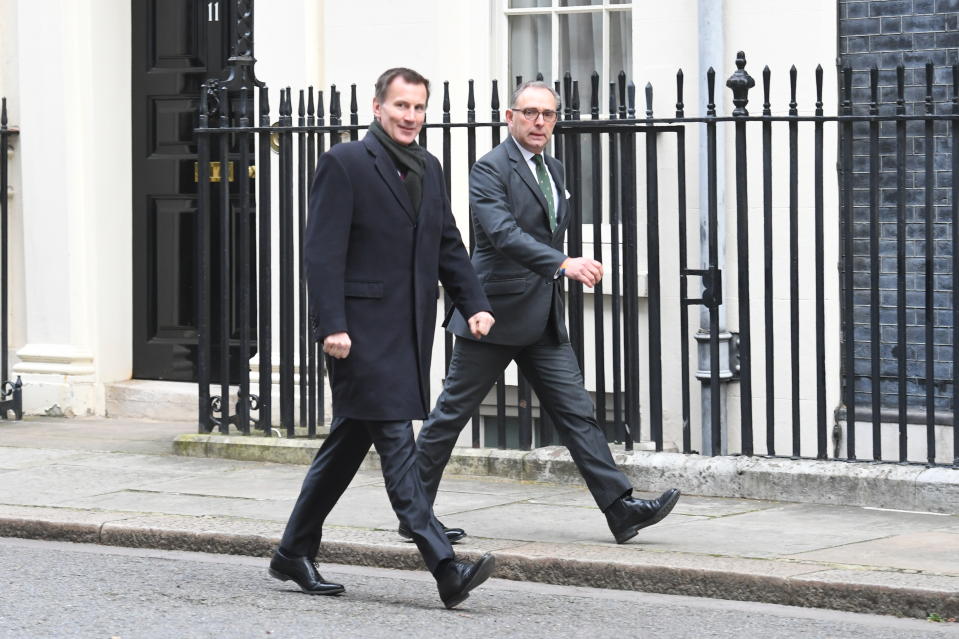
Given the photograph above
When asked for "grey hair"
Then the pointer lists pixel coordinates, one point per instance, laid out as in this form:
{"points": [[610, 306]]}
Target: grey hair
{"points": [[532, 84]]}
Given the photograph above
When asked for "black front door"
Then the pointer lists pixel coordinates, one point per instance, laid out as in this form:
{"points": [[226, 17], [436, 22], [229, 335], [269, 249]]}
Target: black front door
{"points": [[177, 45]]}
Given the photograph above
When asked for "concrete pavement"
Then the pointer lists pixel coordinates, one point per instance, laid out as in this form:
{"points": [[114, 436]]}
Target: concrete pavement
{"points": [[118, 482]]}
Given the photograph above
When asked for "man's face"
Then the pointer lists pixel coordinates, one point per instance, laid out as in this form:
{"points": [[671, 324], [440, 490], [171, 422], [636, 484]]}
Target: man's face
{"points": [[403, 110], [532, 134]]}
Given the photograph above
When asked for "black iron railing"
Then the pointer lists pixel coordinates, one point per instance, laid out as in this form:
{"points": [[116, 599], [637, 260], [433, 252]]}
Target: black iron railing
{"points": [[628, 181], [11, 392]]}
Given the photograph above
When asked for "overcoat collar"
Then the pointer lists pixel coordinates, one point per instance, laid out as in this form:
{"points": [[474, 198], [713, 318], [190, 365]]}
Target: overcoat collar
{"points": [[522, 168], [387, 170]]}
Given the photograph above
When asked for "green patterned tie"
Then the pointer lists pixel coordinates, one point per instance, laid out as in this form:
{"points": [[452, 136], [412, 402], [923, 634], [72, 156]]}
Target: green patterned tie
{"points": [[547, 190]]}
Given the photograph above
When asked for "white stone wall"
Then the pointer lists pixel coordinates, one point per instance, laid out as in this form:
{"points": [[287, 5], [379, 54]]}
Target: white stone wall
{"points": [[73, 104]]}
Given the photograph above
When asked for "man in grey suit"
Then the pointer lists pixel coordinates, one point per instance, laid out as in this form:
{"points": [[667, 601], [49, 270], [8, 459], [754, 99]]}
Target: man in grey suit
{"points": [[520, 215]]}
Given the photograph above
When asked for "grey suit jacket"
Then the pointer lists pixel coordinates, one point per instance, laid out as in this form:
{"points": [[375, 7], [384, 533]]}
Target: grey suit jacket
{"points": [[516, 256]]}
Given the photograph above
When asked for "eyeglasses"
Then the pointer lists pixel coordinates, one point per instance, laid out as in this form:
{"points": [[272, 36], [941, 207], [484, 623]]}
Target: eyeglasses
{"points": [[533, 114]]}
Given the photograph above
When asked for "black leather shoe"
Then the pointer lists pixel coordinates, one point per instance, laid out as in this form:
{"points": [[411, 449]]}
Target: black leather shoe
{"points": [[304, 573], [626, 516], [461, 576], [454, 535]]}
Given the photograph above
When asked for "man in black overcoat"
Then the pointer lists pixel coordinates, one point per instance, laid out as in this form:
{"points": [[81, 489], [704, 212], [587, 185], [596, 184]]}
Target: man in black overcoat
{"points": [[520, 215], [380, 236]]}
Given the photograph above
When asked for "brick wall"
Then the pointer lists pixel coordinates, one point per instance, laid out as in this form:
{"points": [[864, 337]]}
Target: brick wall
{"points": [[887, 33]]}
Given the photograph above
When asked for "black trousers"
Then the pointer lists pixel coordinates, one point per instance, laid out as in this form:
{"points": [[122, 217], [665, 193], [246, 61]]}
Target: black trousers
{"points": [[552, 370], [333, 469]]}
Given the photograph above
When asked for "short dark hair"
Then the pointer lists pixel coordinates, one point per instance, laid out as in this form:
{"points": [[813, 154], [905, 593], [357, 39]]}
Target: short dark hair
{"points": [[387, 77], [532, 84]]}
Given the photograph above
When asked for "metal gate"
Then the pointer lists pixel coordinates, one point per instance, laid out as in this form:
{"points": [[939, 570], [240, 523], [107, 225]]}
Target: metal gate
{"points": [[765, 335]]}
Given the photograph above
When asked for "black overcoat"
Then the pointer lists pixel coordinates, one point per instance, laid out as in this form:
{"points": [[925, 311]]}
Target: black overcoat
{"points": [[373, 267]]}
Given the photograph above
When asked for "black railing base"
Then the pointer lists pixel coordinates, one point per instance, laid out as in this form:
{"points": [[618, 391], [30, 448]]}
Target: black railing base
{"points": [[11, 399], [223, 423]]}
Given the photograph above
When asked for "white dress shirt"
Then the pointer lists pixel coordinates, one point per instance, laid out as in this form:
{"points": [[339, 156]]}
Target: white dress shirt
{"points": [[528, 156]]}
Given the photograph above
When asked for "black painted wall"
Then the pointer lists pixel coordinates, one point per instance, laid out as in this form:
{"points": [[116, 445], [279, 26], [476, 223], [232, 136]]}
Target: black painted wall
{"points": [[887, 33]]}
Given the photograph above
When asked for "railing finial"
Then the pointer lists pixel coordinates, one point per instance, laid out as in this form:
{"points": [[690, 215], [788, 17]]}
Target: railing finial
{"points": [[740, 82]]}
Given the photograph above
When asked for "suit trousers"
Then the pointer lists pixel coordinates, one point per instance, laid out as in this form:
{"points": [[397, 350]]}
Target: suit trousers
{"points": [[333, 469], [552, 370]]}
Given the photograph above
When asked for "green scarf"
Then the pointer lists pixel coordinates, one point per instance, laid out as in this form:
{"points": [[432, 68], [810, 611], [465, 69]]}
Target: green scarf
{"points": [[410, 158]]}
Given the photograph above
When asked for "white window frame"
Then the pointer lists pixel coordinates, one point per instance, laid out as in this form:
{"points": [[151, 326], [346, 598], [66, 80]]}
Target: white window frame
{"points": [[501, 56], [500, 60]]}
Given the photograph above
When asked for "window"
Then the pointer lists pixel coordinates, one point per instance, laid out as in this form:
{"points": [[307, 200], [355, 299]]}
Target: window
{"points": [[552, 37]]}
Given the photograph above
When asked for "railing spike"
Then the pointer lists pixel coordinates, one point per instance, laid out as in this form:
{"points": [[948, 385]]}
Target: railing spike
{"points": [[204, 110], [224, 99], [847, 91], [767, 77], [621, 83], [243, 114], [575, 100], [900, 90], [336, 111], [680, 79], [819, 75], [711, 91], [264, 106], [594, 95], [793, 78]]}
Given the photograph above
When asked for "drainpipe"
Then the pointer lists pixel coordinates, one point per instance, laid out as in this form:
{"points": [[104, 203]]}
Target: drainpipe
{"points": [[712, 48]]}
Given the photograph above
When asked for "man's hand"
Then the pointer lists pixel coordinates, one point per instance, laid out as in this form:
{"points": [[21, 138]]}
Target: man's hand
{"points": [[337, 345], [480, 324], [584, 269]]}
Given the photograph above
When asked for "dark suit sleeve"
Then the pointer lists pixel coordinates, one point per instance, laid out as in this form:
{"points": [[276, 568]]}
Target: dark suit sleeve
{"points": [[491, 210], [327, 241], [456, 273]]}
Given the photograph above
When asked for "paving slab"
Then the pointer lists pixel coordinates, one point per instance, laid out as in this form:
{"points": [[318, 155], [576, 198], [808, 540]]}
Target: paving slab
{"points": [[905, 552], [148, 501], [13, 458], [279, 481], [794, 528], [147, 463], [54, 484]]}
